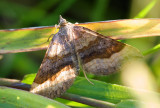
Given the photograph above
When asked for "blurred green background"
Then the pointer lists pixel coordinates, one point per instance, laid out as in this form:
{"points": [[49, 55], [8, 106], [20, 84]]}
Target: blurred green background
{"points": [[32, 13]]}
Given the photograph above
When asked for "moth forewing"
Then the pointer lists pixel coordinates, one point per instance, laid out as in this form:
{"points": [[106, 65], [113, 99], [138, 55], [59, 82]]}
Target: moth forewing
{"points": [[59, 67], [99, 54]]}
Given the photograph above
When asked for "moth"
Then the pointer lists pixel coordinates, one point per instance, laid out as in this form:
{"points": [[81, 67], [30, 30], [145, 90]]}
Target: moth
{"points": [[75, 47]]}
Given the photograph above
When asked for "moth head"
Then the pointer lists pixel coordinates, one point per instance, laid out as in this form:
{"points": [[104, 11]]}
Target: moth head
{"points": [[62, 21]]}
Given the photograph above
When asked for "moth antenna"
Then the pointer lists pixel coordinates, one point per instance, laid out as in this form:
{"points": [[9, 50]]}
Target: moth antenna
{"points": [[86, 77], [49, 37], [56, 26]]}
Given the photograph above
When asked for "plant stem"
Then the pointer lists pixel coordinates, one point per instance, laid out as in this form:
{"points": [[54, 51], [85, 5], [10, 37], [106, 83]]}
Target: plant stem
{"points": [[13, 83], [88, 101]]}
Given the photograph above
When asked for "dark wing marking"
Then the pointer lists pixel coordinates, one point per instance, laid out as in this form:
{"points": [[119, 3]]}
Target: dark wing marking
{"points": [[57, 71], [101, 55]]}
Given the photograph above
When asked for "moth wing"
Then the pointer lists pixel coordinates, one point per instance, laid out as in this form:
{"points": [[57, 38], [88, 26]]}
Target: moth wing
{"points": [[99, 54], [56, 73]]}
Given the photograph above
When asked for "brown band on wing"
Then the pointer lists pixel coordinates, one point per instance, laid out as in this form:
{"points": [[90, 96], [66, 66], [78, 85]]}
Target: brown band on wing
{"points": [[49, 70], [101, 47], [103, 52], [56, 57]]}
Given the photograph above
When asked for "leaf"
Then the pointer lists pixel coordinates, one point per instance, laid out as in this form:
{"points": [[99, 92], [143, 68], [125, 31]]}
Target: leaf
{"points": [[14, 98], [72, 103], [126, 29], [127, 104], [100, 90], [112, 93], [27, 39], [29, 78], [33, 39]]}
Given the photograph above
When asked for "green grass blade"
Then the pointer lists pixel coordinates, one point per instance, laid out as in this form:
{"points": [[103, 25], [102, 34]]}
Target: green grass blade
{"points": [[146, 10], [127, 104], [14, 98], [54, 16], [99, 10], [28, 39], [100, 90], [33, 39], [152, 50]]}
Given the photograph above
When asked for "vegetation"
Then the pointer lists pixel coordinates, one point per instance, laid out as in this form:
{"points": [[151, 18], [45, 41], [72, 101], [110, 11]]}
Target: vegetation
{"points": [[124, 89]]}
